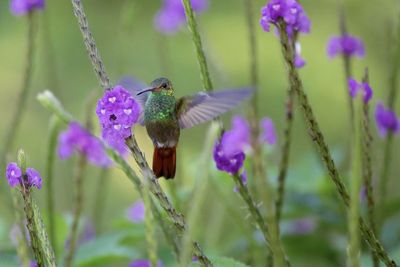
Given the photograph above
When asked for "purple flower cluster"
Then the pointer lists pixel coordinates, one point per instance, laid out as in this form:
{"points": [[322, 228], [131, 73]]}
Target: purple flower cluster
{"points": [[289, 11], [30, 178], [229, 152], [77, 138], [172, 15], [136, 213], [22, 7], [386, 120], [345, 45], [355, 88], [143, 263], [117, 111]]}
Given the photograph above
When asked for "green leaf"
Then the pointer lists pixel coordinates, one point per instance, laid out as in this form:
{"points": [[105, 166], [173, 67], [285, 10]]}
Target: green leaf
{"points": [[103, 250], [222, 262]]}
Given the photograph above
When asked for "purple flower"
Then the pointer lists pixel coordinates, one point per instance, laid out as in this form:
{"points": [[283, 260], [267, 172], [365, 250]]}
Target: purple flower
{"points": [[33, 178], [355, 87], [76, 138], [303, 226], [299, 62], [231, 164], [237, 139], [268, 131], [290, 11], [33, 264], [386, 120], [13, 174], [345, 45], [136, 212], [22, 7], [172, 15], [143, 263], [117, 111]]}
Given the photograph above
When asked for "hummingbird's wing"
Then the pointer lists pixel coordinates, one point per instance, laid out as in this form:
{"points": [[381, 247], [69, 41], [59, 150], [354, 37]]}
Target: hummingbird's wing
{"points": [[202, 107], [134, 86]]}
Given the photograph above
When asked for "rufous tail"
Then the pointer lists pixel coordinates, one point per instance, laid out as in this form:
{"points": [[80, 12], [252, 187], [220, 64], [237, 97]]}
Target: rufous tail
{"points": [[164, 162]]}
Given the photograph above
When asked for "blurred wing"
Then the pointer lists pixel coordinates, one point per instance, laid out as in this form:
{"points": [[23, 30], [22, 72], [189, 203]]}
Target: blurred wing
{"points": [[134, 86], [202, 107]]}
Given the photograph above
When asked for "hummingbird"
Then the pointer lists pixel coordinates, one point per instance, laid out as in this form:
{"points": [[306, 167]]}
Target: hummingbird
{"points": [[164, 116]]}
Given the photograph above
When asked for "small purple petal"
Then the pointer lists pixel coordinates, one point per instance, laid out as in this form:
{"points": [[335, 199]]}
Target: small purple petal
{"points": [[34, 178], [268, 131], [136, 213], [143, 263], [299, 62], [354, 86], [345, 45], [13, 174], [386, 120], [22, 7], [230, 164], [368, 92], [237, 139]]}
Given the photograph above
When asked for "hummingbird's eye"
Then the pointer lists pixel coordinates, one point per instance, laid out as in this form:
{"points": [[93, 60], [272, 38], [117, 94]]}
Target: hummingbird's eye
{"points": [[164, 85]]}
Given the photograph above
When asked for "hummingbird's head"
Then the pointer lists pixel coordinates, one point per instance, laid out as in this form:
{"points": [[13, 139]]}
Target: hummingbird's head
{"points": [[160, 86]]}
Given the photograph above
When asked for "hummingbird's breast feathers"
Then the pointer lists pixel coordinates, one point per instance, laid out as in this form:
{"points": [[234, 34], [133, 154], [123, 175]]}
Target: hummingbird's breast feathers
{"points": [[159, 107]]}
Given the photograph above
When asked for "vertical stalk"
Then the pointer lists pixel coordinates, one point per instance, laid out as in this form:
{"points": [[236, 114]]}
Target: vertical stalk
{"points": [[78, 206], [367, 168], [201, 57], [22, 97], [318, 139], [391, 100], [54, 129], [354, 209], [150, 234]]}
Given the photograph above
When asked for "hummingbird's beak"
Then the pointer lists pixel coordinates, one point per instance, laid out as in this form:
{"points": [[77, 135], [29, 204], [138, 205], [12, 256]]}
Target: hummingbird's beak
{"points": [[146, 90]]}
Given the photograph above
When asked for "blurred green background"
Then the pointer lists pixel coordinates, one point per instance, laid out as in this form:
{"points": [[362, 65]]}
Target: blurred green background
{"points": [[129, 45]]}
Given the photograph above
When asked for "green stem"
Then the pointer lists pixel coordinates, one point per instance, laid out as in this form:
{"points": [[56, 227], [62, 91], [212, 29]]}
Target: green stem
{"points": [[318, 138], [354, 209], [201, 57], [367, 169], [151, 242], [78, 206], [54, 129], [20, 104], [101, 197]]}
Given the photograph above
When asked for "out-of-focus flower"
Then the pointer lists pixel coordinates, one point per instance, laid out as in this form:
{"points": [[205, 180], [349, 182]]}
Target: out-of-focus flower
{"points": [[290, 11], [303, 226], [34, 178], [76, 138], [22, 7], [299, 62], [117, 111], [136, 213], [231, 164], [237, 139], [268, 133], [172, 15], [33, 264], [355, 88], [143, 263], [345, 45], [13, 174], [386, 120]]}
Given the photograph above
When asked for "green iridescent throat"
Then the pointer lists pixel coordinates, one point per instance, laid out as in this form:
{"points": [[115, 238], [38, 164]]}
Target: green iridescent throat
{"points": [[159, 107]]}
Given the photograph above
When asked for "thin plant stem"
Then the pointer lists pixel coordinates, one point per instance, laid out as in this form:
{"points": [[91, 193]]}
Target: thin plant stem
{"points": [[201, 57], [101, 198], [391, 101], [78, 207], [355, 183], [154, 186], [367, 168], [90, 44], [22, 97], [22, 246], [318, 138], [150, 233], [252, 112], [54, 129]]}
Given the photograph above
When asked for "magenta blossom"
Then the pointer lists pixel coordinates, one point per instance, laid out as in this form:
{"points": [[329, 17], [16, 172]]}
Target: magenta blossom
{"points": [[355, 88], [117, 111], [143, 263], [386, 120], [172, 15], [136, 213], [230, 164], [345, 45], [289, 11], [77, 138], [22, 7], [268, 133], [238, 138], [16, 177]]}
